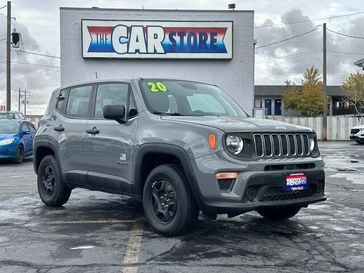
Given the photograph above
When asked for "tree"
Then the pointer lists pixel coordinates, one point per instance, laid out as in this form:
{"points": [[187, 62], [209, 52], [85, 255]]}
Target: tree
{"points": [[308, 99], [353, 89], [290, 96]]}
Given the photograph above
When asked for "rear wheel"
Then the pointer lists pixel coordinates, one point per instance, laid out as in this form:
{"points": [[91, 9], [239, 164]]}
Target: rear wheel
{"points": [[279, 213], [19, 154], [168, 204], [52, 191]]}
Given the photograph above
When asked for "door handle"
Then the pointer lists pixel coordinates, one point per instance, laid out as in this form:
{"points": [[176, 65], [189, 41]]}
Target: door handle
{"points": [[93, 131], [59, 128]]}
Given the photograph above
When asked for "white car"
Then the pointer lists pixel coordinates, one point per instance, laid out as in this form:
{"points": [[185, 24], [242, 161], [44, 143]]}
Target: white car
{"points": [[357, 134]]}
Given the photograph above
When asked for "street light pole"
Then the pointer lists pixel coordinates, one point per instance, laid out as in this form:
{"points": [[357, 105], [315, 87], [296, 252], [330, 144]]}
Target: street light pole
{"points": [[8, 58], [324, 75]]}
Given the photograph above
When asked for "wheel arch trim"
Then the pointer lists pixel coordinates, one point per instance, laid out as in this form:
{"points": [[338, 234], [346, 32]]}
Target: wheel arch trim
{"points": [[166, 149]]}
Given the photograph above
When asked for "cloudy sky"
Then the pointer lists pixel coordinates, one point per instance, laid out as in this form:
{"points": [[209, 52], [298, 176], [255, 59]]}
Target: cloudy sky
{"points": [[38, 22]]}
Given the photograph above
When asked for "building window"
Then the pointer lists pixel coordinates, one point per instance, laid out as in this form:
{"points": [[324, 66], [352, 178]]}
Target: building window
{"points": [[258, 103]]}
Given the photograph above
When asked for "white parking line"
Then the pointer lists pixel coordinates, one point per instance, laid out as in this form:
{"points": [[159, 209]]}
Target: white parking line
{"points": [[80, 222], [133, 248], [92, 222]]}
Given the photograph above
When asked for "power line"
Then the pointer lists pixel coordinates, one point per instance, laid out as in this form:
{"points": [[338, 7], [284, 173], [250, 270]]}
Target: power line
{"points": [[38, 54], [342, 52], [346, 35], [3, 7], [45, 65], [290, 38], [289, 56], [316, 19]]}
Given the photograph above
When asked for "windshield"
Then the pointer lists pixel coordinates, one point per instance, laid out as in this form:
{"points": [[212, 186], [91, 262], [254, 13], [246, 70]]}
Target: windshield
{"points": [[185, 98], [9, 127]]}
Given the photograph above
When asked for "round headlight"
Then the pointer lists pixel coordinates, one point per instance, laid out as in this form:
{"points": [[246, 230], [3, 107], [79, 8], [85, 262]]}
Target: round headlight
{"points": [[312, 144], [234, 144]]}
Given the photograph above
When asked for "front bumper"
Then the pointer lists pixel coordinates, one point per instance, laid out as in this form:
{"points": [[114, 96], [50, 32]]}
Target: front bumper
{"points": [[8, 151], [358, 136], [257, 185], [258, 190]]}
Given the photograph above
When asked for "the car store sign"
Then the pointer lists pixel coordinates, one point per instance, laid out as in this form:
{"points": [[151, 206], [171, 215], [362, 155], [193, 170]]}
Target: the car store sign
{"points": [[157, 39]]}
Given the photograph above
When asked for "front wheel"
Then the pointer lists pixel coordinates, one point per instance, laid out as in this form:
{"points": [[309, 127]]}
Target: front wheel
{"points": [[19, 154], [168, 204], [360, 141], [52, 191], [279, 213]]}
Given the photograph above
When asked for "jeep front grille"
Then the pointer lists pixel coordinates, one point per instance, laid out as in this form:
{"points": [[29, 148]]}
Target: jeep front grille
{"points": [[281, 145]]}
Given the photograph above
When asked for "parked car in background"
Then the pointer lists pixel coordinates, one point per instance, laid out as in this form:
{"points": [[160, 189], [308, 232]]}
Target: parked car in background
{"points": [[12, 115], [357, 134], [16, 139]]}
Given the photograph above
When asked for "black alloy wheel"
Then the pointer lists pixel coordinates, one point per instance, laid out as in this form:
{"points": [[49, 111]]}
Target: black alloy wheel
{"points": [[163, 200], [48, 180], [51, 187], [168, 204], [19, 154]]}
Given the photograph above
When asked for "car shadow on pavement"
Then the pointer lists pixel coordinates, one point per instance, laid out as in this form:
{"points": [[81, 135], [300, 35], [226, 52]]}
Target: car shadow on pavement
{"points": [[7, 162]]}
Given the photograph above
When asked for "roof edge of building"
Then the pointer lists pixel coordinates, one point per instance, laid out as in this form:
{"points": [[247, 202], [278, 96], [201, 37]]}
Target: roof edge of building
{"points": [[166, 10]]}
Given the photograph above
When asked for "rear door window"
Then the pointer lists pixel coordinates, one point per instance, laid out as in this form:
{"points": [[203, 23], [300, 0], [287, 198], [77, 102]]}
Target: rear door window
{"points": [[78, 101], [31, 127]]}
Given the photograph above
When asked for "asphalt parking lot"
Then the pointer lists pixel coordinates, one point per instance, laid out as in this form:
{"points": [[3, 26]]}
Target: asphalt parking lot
{"points": [[98, 232]]}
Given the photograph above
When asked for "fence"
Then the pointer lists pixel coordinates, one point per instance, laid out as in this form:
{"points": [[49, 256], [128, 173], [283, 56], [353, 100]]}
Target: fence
{"points": [[338, 127]]}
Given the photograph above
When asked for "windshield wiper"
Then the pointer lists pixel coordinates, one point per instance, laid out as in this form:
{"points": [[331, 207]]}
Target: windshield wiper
{"points": [[166, 114]]}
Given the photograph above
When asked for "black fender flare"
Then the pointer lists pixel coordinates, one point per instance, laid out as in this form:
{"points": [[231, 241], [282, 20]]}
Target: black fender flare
{"points": [[44, 142], [167, 149]]}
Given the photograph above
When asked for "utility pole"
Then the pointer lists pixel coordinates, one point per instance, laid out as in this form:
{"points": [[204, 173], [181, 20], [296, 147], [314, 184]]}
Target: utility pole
{"points": [[324, 75], [19, 100], [25, 102], [8, 58]]}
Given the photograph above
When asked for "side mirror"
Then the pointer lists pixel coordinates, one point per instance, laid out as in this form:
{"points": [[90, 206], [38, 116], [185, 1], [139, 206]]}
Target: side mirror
{"points": [[114, 112]]}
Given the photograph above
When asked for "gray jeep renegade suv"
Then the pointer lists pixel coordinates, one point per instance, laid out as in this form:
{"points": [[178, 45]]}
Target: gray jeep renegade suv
{"points": [[179, 146]]}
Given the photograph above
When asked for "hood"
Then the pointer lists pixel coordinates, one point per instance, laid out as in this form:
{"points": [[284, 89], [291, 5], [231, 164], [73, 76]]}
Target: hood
{"points": [[359, 127], [6, 136], [237, 124]]}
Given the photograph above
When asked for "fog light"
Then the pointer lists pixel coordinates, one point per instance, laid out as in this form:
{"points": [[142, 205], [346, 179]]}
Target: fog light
{"points": [[251, 193], [226, 180], [227, 175]]}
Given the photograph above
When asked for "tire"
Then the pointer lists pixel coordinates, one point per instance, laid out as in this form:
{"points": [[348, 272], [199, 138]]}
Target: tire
{"points": [[52, 191], [167, 201], [19, 154], [279, 213], [360, 141]]}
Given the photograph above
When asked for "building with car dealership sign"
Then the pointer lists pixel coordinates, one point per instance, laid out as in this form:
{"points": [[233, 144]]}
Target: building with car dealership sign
{"points": [[209, 46]]}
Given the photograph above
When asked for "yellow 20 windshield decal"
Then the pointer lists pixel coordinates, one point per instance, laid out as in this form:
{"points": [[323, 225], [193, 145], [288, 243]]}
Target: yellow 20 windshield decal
{"points": [[157, 87]]}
